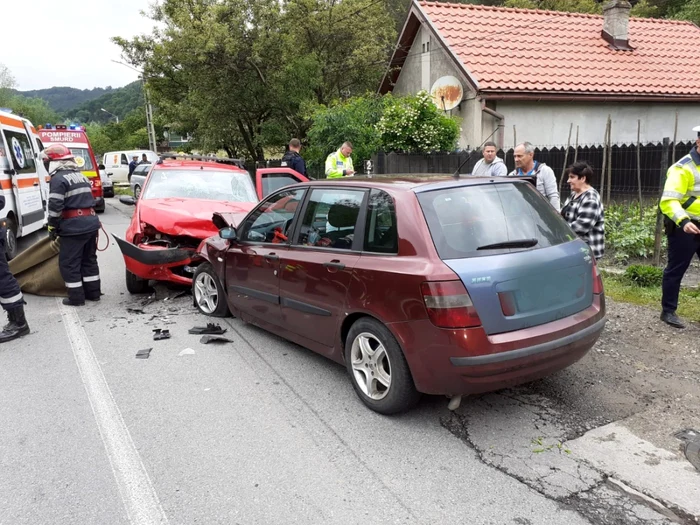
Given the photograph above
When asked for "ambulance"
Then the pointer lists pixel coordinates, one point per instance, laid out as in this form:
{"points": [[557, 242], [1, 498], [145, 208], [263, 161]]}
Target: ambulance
{"points": [[76, 140], [24, 181]]}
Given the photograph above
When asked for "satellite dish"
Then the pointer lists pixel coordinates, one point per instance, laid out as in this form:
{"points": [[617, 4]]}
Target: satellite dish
{"points": [[447, 92]]}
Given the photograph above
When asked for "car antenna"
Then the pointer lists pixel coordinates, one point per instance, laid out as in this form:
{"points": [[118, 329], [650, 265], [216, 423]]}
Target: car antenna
{"points": [[456, 173]]}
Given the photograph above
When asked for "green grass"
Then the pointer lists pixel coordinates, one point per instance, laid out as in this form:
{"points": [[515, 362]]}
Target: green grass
{"points": [[123, 190], [619, 289]]}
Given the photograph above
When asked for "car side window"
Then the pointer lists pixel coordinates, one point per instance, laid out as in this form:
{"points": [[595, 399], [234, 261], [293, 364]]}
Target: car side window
{"points": [[381, 235], [125, 162], [20, 153], [272, 221], [272, 182], [330, 218]]}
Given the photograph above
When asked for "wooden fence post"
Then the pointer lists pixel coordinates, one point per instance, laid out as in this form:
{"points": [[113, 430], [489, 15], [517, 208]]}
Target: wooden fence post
{"points": [[659, 216], [675, 136], [515, 138], [605, 159], [566, 157], [609, 178], [639, 171], [576, 147]]}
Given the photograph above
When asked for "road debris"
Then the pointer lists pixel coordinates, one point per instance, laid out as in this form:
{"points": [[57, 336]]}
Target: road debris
{"points": [[211, 328], [143, 354], [186, 351], [133, 310], [691, 445], [159, 333], [206, 339]]}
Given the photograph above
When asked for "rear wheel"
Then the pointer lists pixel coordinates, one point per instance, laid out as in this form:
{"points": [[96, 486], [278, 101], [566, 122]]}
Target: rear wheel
{"points": [[135, 285], [11, 239], [209, 295], [378, 368]]}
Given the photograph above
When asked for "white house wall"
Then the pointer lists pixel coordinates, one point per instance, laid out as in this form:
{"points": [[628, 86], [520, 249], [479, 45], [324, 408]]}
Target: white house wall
{"points": [[547, 123], [422, 69]]}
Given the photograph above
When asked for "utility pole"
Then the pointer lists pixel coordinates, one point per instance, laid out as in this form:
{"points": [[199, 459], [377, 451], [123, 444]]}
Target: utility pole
{"points": [[149, 119]]}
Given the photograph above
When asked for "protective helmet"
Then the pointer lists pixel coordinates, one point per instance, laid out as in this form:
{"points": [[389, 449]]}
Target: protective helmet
{"points": [[57, 152]]}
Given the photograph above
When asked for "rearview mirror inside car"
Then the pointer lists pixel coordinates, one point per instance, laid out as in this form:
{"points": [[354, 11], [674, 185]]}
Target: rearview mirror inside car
{"points": [[127, 199], [228, 233]]}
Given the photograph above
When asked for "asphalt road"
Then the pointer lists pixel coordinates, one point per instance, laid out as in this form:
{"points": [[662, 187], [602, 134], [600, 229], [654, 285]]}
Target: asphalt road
{"points": [[257, 431]]}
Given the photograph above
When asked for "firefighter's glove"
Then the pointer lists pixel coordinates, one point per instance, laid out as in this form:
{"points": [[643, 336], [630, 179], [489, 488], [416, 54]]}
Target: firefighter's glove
{"points": [[53, 233]]}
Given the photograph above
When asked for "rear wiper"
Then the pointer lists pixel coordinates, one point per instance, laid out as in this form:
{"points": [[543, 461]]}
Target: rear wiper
{"points": [[518, 243]]}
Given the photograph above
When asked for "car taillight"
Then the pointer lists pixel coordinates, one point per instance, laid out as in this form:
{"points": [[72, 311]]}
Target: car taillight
{"points": [[449, 304], [597, 280]]}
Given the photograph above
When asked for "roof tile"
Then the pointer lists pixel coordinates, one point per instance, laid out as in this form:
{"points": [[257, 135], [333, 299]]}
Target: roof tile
{"points": [[552, 51]]}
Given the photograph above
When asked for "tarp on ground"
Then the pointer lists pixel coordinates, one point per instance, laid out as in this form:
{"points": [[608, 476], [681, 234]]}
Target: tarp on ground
{"points": [[36, 269]]}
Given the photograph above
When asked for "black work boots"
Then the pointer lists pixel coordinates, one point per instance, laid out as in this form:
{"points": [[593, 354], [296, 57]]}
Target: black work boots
{"points": [[17, 327]]}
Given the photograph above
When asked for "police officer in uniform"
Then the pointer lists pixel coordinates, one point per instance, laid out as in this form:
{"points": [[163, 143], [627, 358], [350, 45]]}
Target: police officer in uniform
{"points": [[72, 218], [680, 203], [11, 297], [292, 158]]}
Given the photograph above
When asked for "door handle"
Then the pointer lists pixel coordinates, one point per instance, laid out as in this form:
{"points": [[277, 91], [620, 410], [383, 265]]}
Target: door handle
{"points": [[9, 172], [335, 264], [272, 257]]}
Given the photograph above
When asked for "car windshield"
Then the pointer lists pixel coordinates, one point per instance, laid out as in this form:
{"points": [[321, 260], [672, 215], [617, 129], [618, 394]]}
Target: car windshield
{"points": [[82, 158], [477, 220], [214, 185]]}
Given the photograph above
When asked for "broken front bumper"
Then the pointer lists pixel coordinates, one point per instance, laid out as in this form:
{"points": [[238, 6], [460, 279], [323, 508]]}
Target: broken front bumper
{"points": [[157, 262]]}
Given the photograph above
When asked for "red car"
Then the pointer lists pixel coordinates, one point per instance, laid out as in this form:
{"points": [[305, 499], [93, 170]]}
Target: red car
{"points": [[174, 213], [440, 286]]}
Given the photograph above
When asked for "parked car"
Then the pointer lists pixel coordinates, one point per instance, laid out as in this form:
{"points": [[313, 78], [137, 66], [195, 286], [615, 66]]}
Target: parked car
{"points": [[117, 162], [174, 214], [138, 177], [107, 184], [451, 286]]}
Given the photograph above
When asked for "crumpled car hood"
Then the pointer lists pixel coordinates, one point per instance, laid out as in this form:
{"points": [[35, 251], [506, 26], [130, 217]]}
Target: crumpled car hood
{"points": [[191, 217]]}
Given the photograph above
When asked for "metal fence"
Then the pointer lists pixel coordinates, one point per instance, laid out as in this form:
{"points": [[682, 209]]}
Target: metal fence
{"points": [[624, 173]]}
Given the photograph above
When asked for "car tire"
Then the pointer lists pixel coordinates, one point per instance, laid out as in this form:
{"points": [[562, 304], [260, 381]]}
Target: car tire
{"points": [[136, 285], [209, 295], [11, 239], [137, 192], [378, 369]]}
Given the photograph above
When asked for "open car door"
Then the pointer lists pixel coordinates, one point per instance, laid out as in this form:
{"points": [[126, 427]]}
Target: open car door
{"points": [[268, 180]]}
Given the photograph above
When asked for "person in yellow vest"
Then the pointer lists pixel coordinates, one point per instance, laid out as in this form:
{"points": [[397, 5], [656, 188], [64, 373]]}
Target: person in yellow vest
{"points": [[680, 203], [339, 163]]}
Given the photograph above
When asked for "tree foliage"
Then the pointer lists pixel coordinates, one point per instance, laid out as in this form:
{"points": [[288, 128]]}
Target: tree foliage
{"points": [[119, 102]]}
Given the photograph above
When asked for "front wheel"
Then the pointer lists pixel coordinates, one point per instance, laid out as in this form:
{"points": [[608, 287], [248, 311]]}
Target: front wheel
{"points": [[378, 368], [11, 239], [135, 285], [209, 295]]}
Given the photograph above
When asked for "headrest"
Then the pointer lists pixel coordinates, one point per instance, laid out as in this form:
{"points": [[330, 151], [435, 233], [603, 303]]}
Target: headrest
{"points": [[343, 214]]}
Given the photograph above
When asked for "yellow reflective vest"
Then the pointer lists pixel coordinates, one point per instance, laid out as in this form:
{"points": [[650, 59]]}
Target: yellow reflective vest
{"points": [[680, 200], [336, 164]]}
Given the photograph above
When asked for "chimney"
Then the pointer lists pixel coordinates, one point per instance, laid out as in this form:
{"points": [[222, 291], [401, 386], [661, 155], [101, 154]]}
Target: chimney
{"points": [[616, 21]]}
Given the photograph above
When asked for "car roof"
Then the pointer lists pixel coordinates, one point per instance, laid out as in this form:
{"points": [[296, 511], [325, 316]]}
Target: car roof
{"points": [[416, 184], [196, 164]]}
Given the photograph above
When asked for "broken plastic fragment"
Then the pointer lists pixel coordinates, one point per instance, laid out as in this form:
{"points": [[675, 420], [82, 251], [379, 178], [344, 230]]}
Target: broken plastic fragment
{"points": [[143, 354], [186, 351], [206, 339], [159, 334], [211, 328], [135, 310]]}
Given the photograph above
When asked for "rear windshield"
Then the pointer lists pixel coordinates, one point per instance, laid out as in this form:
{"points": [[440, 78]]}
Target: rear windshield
{"points": [[467, 221]]}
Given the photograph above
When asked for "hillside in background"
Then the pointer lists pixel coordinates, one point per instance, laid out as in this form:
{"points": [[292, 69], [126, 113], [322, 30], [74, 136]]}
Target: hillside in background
{"points": [[119, 102], [62, 99]]}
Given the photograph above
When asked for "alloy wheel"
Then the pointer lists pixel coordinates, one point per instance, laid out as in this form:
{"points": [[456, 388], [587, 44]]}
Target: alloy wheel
{"points": [[205, 293], [371, 366]]}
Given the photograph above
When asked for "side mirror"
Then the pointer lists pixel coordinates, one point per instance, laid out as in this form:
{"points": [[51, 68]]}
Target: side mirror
{"points": [[101, 166], [127, 199], [228, 233]]}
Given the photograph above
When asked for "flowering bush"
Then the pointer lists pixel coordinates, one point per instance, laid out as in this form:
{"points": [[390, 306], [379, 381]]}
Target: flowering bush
{"points": [[414, 124]]}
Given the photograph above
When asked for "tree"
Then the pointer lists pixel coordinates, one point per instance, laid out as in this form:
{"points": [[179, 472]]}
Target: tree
{"points": [[573, 6], [354, 120], [690, 10], [414, 124]]}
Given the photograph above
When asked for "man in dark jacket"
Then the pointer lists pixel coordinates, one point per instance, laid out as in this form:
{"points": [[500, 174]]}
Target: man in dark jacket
{"points": [[11, 297], [292, 159], [72, 218], [132, 166]]}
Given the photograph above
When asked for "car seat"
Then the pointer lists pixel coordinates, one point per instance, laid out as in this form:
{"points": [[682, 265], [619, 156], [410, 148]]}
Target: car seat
{"points": [[342, 215]]}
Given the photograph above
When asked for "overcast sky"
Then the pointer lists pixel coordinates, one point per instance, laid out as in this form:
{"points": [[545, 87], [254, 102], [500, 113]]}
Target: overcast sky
{"points": [[48, 43]]}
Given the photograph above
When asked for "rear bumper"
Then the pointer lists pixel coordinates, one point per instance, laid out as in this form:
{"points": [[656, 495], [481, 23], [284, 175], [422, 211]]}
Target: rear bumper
{"points": [[469, 361], [156, 262]]}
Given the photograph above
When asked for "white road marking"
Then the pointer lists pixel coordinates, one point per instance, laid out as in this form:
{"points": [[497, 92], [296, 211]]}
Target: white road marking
{"points": [[140, 499]]}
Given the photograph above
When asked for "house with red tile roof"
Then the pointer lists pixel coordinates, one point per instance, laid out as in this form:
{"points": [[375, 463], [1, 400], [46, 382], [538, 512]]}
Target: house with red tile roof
{"points": [[537, 72]]}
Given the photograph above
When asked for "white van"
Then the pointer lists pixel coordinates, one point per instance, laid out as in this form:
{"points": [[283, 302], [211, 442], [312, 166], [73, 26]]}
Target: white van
{"points": [[24, 181], [117, 162]]}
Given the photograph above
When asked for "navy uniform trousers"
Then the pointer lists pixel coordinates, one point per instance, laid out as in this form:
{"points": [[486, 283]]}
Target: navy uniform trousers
{"points": [[681, 249], [77, 260], [10, 294]]}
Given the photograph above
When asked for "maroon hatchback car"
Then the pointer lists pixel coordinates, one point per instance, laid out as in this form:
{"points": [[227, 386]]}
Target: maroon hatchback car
{"points": [[436, 286]]}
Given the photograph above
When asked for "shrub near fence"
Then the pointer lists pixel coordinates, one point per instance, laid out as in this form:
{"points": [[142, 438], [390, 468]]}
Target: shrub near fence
{"points": [[623, 164]]}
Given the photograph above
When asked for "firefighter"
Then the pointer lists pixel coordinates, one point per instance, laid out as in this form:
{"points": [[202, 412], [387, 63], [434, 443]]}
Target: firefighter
{"points": [[681, 206], [11, 297], [72, 218]]}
